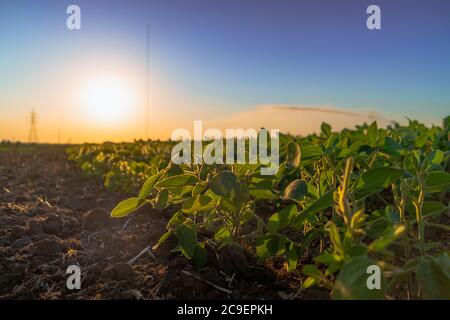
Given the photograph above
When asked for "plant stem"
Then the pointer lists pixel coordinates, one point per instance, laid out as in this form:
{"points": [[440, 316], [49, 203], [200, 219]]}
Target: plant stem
{"points": [[418, 204]]}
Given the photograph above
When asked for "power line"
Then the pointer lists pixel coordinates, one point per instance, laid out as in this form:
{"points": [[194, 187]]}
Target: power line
{"points": [[148, 84]]}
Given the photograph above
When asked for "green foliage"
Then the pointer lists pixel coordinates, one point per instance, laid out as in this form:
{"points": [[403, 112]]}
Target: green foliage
{"points": [[281, 219], [351, 283], [375, 180], [126, 207], [225, 184], [433, 273], [177, 181], [340, 202], [296, 190]]}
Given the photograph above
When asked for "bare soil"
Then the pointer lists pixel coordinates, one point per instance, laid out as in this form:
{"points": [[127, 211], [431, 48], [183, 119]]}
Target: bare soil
{"points": [[51, 216]]}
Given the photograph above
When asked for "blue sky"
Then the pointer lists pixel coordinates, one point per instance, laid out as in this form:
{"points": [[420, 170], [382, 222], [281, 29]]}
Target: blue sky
{"points": [[221, 57]]}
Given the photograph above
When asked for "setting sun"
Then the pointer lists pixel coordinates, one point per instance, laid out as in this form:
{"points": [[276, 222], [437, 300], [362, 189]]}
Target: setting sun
{"points": [[107, 100]]}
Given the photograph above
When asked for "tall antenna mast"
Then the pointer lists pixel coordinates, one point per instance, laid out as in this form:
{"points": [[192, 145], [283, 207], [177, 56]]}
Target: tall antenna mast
{"points": [[32, 135], [147, 114]]}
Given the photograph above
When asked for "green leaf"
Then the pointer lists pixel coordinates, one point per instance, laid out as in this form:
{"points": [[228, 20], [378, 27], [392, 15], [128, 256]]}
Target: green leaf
{"points": [[327, 259], [225, 184], [375, 180], [372, 134], [332, 142], [312, 271], [437, 181], [177, 218], [163, 239], [296, 190], [227, 205], [261, 189], [262, 194], [270, 245], [401, 274], [433, 275], [326, 129], [392, 147], [148, 185], [187, 239], [446, 123], [324, 202], [162, 200], [204, 202], [436, 156], [353, 250], [336, 239], [429, 208], [292, 257], [200, 203], [188, 205], [308, 283], [421, 140], [310, 151], [177, 181], [351, 283], [199, 255], [320, 204], [282, 218], [293, 155], [390, 235], [411, 163], [223, 235], [199, 188], [126, 207]]}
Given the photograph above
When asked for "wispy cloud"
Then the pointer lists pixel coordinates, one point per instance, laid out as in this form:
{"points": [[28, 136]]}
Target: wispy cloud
{"points": [[297, 119], [371, 114]]}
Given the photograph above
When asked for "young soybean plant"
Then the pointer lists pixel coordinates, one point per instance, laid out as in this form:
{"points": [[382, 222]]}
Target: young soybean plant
{"points": [[349, 255], [417, 177], [213, 199], [341, 201]]}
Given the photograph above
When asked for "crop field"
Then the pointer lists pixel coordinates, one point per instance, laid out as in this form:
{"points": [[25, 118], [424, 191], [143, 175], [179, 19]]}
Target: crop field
{"points": [[224, 159], [355, 214]]}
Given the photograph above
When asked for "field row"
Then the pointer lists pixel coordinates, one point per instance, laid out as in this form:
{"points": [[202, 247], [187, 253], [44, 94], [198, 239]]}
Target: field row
{"points": [[363, 213]]}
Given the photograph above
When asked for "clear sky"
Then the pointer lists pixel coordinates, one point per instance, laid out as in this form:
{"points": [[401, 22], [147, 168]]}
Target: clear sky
{"points": [[226, 62]]}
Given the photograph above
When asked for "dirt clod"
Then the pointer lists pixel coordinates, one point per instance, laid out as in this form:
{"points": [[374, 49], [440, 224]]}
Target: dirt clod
{"points": [[34, 227], [232, 259], [95, 219], [47, 247]]}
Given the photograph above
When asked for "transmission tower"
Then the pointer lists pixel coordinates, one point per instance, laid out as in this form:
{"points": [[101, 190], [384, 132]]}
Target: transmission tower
{"points": [[32, 136]]}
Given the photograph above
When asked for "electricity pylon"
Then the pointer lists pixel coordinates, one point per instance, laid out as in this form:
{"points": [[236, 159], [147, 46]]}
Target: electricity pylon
{"points": [[32, 136]]}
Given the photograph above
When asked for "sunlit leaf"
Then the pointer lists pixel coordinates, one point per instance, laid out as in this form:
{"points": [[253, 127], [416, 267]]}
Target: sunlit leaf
{"points": [[126, 207], [148, 185], [177, 181], [162, 199], [390, 235]]}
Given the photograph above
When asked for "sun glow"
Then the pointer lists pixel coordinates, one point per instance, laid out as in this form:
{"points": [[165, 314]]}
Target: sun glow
{"points": [[107, 100]]}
